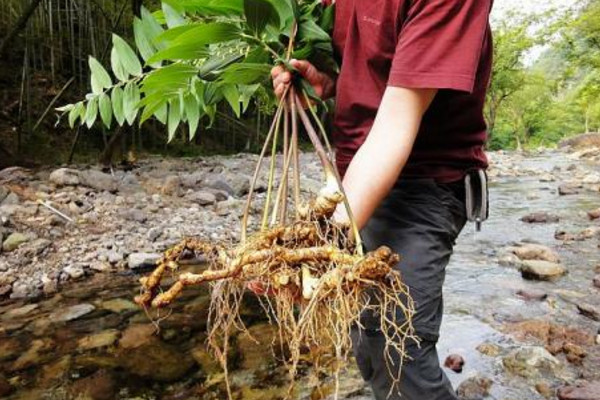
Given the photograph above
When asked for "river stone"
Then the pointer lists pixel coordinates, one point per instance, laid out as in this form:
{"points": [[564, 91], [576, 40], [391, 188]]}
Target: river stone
{"points": [[33, 355], [137, 335], [99, 386], [540, 218], [74, 271], [10, 348], [594, 214], [541, 270], [98, 180], [568, 189], [455, 362], [119, 305], [583, 391], [5, 387], [489, 349], [530, 362], [474, 388], [530, 251], [590, 311], [256, 347], [3, 193], [13, 241], [597, 281], [103, 339], [157, 361], [65, 177], [141, 260], [71, 313], [11, 200], [203, 198], [532, 294], [19, 312]]}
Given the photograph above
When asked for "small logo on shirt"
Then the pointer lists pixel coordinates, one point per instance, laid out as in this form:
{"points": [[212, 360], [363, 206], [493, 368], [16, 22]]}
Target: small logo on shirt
{"points": [[371, 20]]}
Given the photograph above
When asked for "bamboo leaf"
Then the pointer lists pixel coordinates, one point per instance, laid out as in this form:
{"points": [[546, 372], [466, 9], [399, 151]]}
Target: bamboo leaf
{"points": [[174, 118], [310, 31], [91, 112], [151, 27], [258, 14], [131, 99], [172, 16], [169, 79], [75, 114], [215, 32], [66, 108], [161, 113], [214, 7], [117, 66], [99, 77], [192, 110], [192, 51], [105, 110], [232, 95], [117, 103], [127, 56], [208, 71], [246, 73], [246, 92], [142, 40]]}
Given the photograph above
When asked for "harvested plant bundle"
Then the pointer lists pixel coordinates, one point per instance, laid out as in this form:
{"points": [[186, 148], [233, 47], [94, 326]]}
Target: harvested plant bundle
{"points": [[319, 279]]}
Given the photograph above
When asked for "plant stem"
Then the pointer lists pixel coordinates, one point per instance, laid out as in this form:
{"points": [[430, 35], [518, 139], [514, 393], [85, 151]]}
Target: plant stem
{"points": [[267, 206], [295, 153]]}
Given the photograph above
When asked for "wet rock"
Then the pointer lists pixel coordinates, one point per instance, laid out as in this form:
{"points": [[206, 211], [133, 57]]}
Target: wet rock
{"points": [[574, 353], [544, 389], [541, 270], [455, 362], [19, 312], [56, 371], [596, 281], [4, 192], [142, 260], [583, 391], [256, 347], [591, 179], [65, 177], [530, 251], [489, 349], [567, 189], [134, 215], [24, 289], [11, 200], [10, 348], [74, 271], [5, 387], [203, 198], [36, 247], [590, 311], [540, 218], [102, 339], [530, 362], [171, 186], [157, 361], [475, 388], [99, 386], [71, 313], [13, 241], [594, 214], [33, 355], [137, 335], [207, 362], [234, 185], [532, 294], [119, 305]]}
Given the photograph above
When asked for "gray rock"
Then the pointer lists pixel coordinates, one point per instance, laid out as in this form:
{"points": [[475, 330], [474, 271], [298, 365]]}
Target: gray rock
{"points": [[3, 193], [475, 388], [531, 362], [13, 241], [98, 180], [597, 281], [590, 311], [71, 313], [74, 271], [233, 185], [172, 186], [23, 290], [203, 198], [582, 391], [530, 251], [134, 215], [11, 200], [65, 177], [540, 218], [568, 189], [140, 260], [541, 270], [154, 234]]}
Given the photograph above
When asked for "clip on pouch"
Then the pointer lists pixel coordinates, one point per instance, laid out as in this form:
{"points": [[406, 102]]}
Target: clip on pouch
{"points": [[477, 202]]}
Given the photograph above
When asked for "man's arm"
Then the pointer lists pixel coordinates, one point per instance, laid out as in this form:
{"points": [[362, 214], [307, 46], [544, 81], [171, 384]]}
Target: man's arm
{"points": [[378, 163]]}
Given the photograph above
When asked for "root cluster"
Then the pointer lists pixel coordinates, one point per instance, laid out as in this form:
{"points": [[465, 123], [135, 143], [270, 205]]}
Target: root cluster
{"points": [[318, 285]]}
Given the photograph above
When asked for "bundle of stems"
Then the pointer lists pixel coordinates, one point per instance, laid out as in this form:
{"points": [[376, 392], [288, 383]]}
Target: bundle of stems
{"points": [[317, 275]]}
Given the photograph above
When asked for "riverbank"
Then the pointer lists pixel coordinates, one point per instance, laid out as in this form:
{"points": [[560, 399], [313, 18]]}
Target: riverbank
{"points": [[522, 307]]}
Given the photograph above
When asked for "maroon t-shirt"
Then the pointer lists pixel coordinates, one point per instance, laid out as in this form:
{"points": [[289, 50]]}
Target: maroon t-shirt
{"points": [[437, 44]]}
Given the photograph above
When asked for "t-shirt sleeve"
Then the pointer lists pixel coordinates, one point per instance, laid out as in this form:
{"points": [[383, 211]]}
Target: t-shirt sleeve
{"points": [[440, 44]]}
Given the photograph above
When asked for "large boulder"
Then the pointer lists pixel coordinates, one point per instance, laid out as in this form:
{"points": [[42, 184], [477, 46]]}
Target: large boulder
{"points": [[531, 362], [582, 391], [583, 141], [98, 180], [530, 251], [65, 177]]}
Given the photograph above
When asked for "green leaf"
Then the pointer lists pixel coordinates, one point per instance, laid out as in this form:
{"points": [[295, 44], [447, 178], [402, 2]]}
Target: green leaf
{"points": [[232, 95], [127, 56], [100, 78], [161, 113], [259, 13], [212, 94], [92, 112], [208, 33], [172, 16], [66, 108], [192, 110], [287, 12], [131, 99], [169, 79], [246, 92], [105, 110], [151, 105], [142, 40], [75, 113], [117, 104], [174, 118], [192, 51], [327, 19], [209, 70], [214, 7], [211, 111], [246, 73], [117, 66], [310, 31]]}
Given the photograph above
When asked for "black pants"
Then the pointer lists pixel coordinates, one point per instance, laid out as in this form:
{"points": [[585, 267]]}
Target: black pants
{"points": [[420, 220]]}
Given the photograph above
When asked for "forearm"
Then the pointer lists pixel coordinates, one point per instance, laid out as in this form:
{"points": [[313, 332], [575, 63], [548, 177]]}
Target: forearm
{"points": [[378, 163]]}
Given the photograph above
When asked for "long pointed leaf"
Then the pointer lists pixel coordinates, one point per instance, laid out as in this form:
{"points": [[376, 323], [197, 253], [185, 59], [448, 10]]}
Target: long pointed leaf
{"points": [[117, 103], [105, 110], [99, 77], [127, 56]]}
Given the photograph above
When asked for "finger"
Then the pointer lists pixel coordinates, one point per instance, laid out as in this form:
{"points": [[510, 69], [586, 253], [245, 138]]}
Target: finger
{"points": [[279, 90], [305, 68], [276, 71]]}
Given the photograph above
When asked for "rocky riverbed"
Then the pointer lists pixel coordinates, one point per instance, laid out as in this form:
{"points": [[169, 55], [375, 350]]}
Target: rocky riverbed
{"points": [[522, 297]]}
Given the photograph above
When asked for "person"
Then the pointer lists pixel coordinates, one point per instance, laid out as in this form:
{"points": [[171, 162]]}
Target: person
{"points": [[408, 127]]}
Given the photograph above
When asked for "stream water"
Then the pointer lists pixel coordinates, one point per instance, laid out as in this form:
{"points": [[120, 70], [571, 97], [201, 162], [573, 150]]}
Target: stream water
{"points": [[91, 341]]}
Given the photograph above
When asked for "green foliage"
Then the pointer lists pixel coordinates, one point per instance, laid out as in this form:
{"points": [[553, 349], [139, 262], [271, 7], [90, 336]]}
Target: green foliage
{"points": [[191, 55]]}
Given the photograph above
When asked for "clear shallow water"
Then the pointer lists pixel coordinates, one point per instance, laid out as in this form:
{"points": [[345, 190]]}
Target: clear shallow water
{"points": [[91, 340]]}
